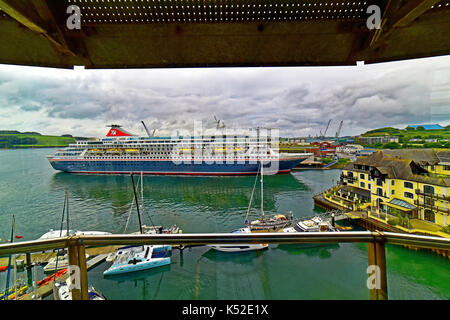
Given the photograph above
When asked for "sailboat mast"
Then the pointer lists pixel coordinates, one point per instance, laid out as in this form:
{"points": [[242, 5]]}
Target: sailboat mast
{"points": [[142, 195], [10, 256], [67, 217], [262, 189], [137, 204]]}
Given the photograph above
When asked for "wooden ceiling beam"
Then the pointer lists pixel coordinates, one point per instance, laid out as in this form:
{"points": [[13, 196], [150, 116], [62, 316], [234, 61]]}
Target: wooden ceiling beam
{"points": [[37, 17], [398, 15]]}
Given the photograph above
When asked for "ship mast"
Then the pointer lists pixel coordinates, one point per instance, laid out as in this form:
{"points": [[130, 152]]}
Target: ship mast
{"points": [[262, 190]]}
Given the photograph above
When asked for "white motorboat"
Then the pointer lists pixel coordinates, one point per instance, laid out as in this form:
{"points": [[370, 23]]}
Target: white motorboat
{"points": [[52, 234], [315, 224], [239, 247], [58, 263], [61, 292]]}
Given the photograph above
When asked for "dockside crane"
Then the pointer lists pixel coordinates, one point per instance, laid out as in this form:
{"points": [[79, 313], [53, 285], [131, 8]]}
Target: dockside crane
{"points": [[326, 129], [338, 132]]}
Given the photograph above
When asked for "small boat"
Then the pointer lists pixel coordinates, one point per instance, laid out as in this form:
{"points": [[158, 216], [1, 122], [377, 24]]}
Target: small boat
{"points": [[315, 224], [61, 292], [58, 263], [52, 234], [160, 229], [138, 258], [239, 247], [267, 223], [51, 277], [270, 223], [145, 229]]}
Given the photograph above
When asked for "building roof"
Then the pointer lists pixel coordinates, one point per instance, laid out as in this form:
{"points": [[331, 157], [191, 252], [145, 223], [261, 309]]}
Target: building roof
{"points": [[402, 203], [427, 126], [407, 164], [199, 33]]}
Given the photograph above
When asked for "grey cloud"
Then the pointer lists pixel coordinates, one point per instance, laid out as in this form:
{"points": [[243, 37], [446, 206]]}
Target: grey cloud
{"points": [[300, 101]]}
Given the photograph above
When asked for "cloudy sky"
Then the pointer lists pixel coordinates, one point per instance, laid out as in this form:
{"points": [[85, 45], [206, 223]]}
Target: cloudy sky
{"points": [[299, 101]]}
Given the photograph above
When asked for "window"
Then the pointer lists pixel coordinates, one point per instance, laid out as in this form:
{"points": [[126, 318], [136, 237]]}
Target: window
{"points": [[429, 215], [408, 185], [362, 184], [393, 182], [428, 189], [408, 195], [362, 176], [379, 182], [379, 192]]}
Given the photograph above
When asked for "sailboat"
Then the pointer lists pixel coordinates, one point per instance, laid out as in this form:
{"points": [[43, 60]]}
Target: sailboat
{"points": [[267, 223], [155, 229], [140, 257], [52, 234], [18, 286]]}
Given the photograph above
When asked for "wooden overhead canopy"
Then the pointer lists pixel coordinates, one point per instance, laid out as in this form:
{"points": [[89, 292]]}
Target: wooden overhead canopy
{"points": [[207, 33]]}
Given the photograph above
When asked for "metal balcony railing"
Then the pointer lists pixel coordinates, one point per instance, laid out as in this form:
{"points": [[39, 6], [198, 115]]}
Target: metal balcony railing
{"points": [[431, 206], [376, 249], [432, 195]]}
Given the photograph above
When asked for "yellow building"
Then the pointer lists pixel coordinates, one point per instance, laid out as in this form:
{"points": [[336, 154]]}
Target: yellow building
{"points": [[399, 184]]}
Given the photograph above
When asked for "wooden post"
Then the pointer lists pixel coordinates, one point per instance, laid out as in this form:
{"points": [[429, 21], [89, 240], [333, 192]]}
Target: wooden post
{"points": [[377, 264], [83, 272], [73, 261], [77, 257]]}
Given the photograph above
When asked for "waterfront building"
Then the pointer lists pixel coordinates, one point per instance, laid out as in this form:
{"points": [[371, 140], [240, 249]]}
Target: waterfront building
{"points": [[389, 184], [376, 139], [349, 148], [427, 126]]}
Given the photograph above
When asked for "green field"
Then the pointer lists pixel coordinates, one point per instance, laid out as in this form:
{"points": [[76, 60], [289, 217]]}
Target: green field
{"points": [[406, 135], [10, 141], [409, 134]]}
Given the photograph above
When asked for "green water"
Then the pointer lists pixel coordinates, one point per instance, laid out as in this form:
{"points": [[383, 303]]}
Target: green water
{"points": [[34, 192]]}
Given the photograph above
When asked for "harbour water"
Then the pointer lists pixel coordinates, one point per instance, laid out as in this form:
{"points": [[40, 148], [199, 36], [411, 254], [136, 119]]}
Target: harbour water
{"points": [[34, 192]]}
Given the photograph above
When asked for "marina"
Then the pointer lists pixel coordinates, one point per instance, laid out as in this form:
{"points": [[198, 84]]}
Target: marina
{"points": [[103, 203]]}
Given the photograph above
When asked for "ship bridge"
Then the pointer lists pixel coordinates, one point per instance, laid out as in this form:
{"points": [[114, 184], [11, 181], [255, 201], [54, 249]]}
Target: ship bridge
{"points": [[220, 33]]}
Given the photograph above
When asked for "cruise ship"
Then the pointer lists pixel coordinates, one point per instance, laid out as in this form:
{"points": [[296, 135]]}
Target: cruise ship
{"points": [[121, 152]]}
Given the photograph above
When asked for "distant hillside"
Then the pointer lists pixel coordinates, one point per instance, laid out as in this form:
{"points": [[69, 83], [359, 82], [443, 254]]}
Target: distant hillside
{"points": [[412, 138], [10, 139]]}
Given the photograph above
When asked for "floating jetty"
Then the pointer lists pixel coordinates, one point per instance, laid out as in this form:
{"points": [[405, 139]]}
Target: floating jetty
{"points": [[98, 255]]}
